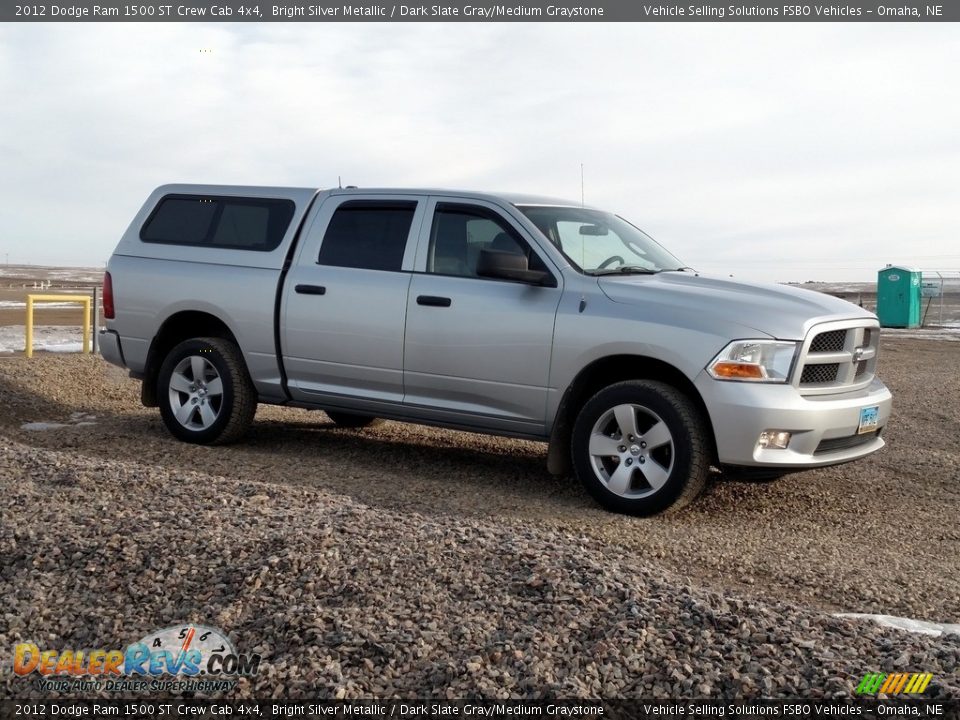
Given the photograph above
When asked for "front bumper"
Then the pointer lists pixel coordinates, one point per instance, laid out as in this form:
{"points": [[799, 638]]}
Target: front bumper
{"points": [[739, 412], [109, 344]]}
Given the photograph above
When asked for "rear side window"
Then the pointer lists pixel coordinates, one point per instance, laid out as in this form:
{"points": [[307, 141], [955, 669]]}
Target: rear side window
{"points": [[220, 222], [368, 234]]}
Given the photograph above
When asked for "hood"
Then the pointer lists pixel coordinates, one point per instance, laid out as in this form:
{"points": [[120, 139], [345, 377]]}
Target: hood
{"points": [[781, 311]]}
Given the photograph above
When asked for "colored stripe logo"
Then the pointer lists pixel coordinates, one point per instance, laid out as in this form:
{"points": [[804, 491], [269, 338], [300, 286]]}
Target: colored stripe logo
{"points": [[894, 683]]}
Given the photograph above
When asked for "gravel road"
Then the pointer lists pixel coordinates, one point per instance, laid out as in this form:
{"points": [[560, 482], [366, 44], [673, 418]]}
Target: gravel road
{"points": [[409, 561]]}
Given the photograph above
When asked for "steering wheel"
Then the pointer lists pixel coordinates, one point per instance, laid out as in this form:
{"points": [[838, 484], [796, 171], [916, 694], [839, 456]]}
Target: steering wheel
{"points": [[609, 260]]}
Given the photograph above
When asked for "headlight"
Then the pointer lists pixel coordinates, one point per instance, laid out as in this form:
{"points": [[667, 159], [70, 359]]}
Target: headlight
{"points": [[754, 361]]}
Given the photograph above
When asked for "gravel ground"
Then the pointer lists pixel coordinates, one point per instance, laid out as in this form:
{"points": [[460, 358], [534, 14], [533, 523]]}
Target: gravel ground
{"points": [[347, 600], [409, 561]]}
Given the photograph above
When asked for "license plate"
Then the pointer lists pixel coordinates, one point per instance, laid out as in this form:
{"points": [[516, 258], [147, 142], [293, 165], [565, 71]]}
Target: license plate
{"points": [[869, 417]]}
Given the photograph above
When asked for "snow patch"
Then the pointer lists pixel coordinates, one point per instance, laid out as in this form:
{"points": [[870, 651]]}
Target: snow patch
{"points": [[64, 347], [22, 304], [42, 426], [907, 624], [77, 419], [52, 338]]}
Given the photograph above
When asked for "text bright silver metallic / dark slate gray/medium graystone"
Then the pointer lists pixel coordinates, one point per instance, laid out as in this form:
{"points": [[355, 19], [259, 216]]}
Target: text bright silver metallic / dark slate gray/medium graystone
{"points": [[503, 314]]}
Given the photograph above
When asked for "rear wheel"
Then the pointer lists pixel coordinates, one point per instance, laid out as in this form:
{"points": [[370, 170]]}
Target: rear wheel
{"points": [[351, 420], [640, 447], [205, 393]]}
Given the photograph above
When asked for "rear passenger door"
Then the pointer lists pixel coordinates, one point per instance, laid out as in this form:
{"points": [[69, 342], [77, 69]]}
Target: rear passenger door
{"points": [[344, 308]]}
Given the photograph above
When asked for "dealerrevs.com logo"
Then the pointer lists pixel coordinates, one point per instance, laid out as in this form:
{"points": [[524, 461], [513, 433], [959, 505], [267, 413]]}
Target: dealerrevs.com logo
{"points": [[196, 657]]}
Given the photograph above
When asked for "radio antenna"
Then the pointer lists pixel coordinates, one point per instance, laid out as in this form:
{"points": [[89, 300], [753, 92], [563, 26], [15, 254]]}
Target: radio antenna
{"points": [[339, 182], [581, 186]]}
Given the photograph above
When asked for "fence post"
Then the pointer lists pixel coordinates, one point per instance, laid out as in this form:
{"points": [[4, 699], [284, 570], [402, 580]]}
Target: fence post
{"points": [[29, 328], [86, 325], [940, 275], [96, 319]]}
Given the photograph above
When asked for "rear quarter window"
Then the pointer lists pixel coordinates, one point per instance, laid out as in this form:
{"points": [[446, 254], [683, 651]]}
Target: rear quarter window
{"points": [[237, 223], [368, 235]]}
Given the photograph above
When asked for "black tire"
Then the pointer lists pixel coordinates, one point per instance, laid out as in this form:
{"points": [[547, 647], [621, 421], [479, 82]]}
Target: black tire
{"points": [[233, 410], [351, 420], [661, 475]]}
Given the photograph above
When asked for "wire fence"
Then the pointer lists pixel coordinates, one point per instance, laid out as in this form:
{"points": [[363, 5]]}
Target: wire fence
{"points": [[940, 297]]}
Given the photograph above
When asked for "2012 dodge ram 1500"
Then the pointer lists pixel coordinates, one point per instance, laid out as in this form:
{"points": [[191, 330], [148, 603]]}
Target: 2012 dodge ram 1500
{"points": [[511, 315]]}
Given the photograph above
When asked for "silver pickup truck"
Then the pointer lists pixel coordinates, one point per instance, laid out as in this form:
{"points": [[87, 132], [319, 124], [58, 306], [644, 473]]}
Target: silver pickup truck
{"points": [[505, 314]]}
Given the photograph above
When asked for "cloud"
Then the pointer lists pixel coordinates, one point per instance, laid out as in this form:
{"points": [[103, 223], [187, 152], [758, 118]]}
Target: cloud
{"points": [[774, 151]]}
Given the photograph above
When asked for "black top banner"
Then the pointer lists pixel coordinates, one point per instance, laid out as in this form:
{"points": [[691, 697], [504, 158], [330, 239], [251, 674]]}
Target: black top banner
{"points": [[476, 11], [640, 709]]}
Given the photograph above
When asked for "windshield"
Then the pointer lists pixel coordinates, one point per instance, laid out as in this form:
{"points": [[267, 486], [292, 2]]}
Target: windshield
{"points": [[598, 242]]}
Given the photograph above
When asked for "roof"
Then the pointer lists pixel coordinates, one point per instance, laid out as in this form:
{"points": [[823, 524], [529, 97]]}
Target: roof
{"points": [[265, 191], [509, 197], [905, 268]]}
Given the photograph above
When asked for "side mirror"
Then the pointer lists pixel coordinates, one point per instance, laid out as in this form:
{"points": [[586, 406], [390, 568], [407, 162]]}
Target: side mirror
{"points": [[506, 265]]}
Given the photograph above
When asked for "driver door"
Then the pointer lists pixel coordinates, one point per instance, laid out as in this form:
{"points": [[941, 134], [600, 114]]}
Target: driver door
{"points": [[477, 349]]}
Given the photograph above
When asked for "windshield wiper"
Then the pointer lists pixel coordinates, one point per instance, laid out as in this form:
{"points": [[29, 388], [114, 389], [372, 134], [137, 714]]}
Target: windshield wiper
{"points": [[624, 270]]}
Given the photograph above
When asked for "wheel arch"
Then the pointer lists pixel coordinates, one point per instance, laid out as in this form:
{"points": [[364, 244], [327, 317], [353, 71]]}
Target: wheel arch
{"points": [[175, 329], [606, 371]]}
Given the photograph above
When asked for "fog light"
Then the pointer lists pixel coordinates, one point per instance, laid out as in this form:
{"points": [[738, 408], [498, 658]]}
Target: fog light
{"points": [[778, 439]]}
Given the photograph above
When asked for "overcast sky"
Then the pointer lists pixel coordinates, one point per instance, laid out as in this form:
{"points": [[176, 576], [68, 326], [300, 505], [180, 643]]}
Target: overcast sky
{"points": [[769, 151]]}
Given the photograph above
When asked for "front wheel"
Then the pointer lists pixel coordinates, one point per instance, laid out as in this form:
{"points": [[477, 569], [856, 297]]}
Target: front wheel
{"points": [[640, 447], [205, 393]]}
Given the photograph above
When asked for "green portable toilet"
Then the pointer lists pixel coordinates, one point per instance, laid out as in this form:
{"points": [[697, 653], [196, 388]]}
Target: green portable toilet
{"points": [[898, 297]]}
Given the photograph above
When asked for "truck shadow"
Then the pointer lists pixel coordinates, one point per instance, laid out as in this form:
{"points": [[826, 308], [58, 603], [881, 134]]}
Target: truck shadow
{"points": [[393, 465]]}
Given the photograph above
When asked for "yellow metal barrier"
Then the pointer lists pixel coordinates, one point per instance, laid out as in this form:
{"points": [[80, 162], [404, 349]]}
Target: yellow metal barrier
{"points": [[81, 299]]}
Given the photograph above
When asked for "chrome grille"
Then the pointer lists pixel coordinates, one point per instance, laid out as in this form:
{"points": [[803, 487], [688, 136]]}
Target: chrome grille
{"points": [[831, 341], [836, 357], [819, 373]]}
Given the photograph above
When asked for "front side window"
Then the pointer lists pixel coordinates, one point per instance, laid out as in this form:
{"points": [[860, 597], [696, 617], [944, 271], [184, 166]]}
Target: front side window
{"points": [[460, 232], [238, 223], [598, 242], [368, 234]]}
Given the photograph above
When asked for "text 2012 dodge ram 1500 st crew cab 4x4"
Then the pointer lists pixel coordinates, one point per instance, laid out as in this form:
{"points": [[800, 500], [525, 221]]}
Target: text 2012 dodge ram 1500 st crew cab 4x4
{"points": [[511, 315]]}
